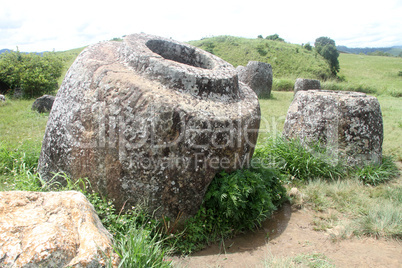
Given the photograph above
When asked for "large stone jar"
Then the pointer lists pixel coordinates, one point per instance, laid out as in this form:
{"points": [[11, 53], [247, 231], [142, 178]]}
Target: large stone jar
{"points": [[306, 84], [348, 124], [150, 120], [258, 76]]}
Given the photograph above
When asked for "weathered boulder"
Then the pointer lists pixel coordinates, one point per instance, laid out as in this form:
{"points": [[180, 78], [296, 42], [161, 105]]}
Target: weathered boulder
{"points": [[306, 84], [43, 104], [150, 118], [54, 229], [349, 124], [258, 76], [2, 98]]}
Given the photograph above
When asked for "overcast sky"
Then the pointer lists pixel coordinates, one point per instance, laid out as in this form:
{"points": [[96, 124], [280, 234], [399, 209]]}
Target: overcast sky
{"points": [[46, 25]]}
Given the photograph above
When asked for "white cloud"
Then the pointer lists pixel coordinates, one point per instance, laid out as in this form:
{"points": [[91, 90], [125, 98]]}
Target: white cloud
{"points": [[43, 25]]}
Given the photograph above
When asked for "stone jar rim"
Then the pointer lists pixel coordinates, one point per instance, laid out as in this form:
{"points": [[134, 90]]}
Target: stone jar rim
{"points": [[181, 67]]}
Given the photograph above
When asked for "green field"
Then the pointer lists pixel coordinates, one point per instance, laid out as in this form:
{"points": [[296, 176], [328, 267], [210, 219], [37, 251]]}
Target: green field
{"points": [[380, 73]]}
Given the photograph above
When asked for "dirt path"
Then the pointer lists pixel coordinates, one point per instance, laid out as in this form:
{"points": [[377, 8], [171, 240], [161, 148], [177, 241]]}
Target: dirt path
{"points": [[290, 234]]}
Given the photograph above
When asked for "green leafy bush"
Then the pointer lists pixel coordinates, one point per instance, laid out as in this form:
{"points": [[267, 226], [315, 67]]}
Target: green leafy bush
{"points": [[34, 74], [233, 203], [308, 47], [275, 37], [245, 198]]}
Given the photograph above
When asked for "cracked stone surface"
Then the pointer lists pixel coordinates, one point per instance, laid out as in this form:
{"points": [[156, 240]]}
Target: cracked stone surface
{"points": [[150, 120]]}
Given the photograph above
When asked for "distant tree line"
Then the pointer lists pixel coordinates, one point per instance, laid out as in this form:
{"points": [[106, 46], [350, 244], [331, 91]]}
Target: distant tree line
{"points": [[33, 74], [375, 51]]}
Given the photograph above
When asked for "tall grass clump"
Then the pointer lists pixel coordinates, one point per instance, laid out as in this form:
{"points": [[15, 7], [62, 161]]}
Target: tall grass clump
{"points": [[299, 161], [12, 157], [375, 174], [18, 166], [138, 248], [384, 219], [138, 239]]}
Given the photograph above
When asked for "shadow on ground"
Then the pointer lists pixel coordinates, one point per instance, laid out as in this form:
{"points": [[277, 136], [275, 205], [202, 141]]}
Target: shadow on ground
{"points": [[251, 240]]}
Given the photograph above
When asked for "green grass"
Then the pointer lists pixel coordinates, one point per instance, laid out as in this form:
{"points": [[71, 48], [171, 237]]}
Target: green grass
{"points": [[391, 109], [363, 73], [293, 158], [371, 211], [273, 114], [18, 124], [375, 174], [233, 203], [287, 60], [21, 134], [380, 73], [138, 248]]}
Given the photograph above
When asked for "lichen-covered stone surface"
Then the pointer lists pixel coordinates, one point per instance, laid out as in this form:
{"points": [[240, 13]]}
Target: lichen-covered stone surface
{"points": [[43, 104], [54, 229], [258, 76], [348, 124], [150, 119], [306, 84]]}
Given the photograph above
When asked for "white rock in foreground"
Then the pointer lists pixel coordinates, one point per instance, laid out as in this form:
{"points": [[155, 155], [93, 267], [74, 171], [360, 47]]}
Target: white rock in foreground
{"points": [[54, 229]]}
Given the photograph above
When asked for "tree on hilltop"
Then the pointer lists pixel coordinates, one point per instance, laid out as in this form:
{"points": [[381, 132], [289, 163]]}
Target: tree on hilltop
{"points": [[326, 47], [275, 37]]}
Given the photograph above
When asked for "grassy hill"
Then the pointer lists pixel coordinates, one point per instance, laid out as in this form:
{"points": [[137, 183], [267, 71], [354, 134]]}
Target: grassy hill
{"points": [[370, 74], [287, 60]]}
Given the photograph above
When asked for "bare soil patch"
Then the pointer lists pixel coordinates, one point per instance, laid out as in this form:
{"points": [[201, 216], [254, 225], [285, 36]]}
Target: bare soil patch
{"points": [[290, 233]]}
